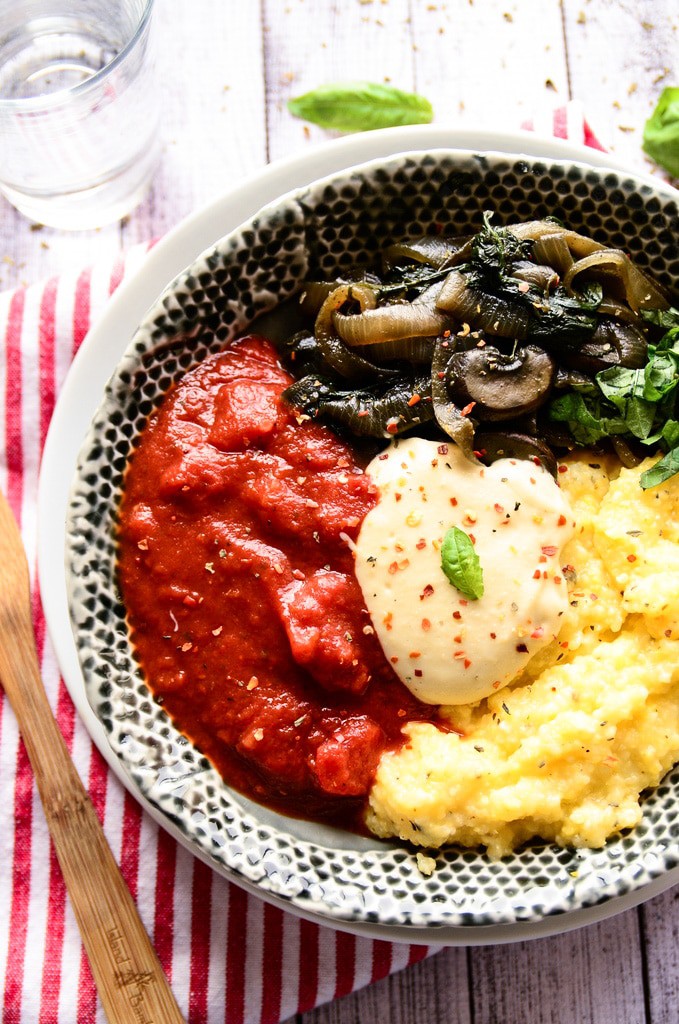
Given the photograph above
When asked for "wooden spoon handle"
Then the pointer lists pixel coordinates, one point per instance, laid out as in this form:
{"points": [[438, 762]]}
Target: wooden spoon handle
{"points": [[129, 978]]}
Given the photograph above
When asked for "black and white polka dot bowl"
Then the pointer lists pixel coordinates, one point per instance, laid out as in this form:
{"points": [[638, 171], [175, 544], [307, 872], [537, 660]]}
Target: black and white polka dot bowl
{"points": [[319, 871]]}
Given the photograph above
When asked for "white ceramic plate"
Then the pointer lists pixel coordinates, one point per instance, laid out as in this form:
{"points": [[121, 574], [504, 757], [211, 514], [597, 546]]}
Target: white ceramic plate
{"points": [[100, 354]]}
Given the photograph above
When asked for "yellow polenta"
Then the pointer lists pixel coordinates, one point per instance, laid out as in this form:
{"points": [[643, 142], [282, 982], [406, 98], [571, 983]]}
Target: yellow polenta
{"points": [[564, 751]]}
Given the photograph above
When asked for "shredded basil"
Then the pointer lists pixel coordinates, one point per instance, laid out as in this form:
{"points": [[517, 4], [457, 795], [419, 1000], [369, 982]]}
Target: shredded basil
{"points": [[461, 564], [667, 466]]}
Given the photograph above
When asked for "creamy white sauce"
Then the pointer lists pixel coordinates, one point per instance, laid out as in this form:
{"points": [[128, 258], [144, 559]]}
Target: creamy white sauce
{"points": [[447, 648]]}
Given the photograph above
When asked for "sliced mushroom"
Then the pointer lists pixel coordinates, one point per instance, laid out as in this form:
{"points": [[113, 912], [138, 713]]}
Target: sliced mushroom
{"points": [[494, 445], [502, 386]]}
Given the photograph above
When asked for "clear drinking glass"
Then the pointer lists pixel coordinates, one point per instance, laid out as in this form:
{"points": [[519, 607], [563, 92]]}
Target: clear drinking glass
{"points": [[79, 108]]}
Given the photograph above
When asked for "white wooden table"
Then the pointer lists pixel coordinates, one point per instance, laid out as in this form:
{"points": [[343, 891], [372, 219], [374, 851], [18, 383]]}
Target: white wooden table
{"points": [[228, 66]]}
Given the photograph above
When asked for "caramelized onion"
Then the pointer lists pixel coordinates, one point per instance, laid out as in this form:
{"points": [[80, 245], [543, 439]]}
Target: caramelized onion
{"points": [[485, 312], [434, 250], [413, 350], [448, 416], [389, 323], [578, 245], [615, 266], [336, 354]]}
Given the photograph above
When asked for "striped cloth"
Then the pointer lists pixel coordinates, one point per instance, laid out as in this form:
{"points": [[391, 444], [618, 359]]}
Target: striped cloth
{"points": [[230, 957]]}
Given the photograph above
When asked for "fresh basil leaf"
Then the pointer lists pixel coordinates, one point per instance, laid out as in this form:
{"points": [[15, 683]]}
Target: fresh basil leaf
{"points": [[660, 376], [620, 382], [624, 389], [663, 469], [661, 131], [360, 106], [670, 433], [586, 418], [667, 318], [461, 564]]}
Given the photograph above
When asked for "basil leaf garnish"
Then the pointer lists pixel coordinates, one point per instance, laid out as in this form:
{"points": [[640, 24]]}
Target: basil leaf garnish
{"points": [[461, 564], [661, 471], [360, 106]]}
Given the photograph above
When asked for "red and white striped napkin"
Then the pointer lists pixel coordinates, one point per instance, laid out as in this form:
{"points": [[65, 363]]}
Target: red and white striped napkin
{"points": [[230, 957]]}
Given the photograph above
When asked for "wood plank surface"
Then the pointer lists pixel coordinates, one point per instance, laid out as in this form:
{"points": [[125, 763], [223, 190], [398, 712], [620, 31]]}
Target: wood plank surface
{"points": [[228, 68]]}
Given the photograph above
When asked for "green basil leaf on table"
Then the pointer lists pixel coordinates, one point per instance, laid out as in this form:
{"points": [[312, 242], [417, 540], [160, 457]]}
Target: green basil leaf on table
{"points": [[361, 106], [461, 564], [661, 131]]}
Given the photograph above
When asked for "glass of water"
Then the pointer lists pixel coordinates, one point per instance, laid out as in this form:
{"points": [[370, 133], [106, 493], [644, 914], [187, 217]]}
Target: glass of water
{"points": [[79, 108]]}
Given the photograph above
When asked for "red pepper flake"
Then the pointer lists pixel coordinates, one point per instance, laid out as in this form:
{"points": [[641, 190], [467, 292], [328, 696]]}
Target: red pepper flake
{"points": [[542, 559], [415, 654], [421, 544], [463, 602], [537, 574], [472, 538], [564, 644], [538, 632], [404, 563], [453, 501], [631, 558], [545, 574], [493, 636], [382, 457], [668, 633], [189, 600], [442, 449], [426, 625], [479, 453], [549, 549], [392, 426], [397, 496], [401, 713], [467, 662], [394, 660], [363, 412], [457, 639], [467, 409], [427, 592], [417, 673], [393, 568], [459, 655], [522, 649], [441, 375], [563, 469], [457, 615], [387, 620], [557, 580], [414, 399], [498, 508]]}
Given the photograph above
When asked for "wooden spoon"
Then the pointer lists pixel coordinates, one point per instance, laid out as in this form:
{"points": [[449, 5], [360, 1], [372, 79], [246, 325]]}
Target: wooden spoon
{"points": [[128, 975]]}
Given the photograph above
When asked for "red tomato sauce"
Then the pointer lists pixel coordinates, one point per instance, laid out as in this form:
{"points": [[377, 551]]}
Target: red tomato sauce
{"points": [[245, 614]]}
